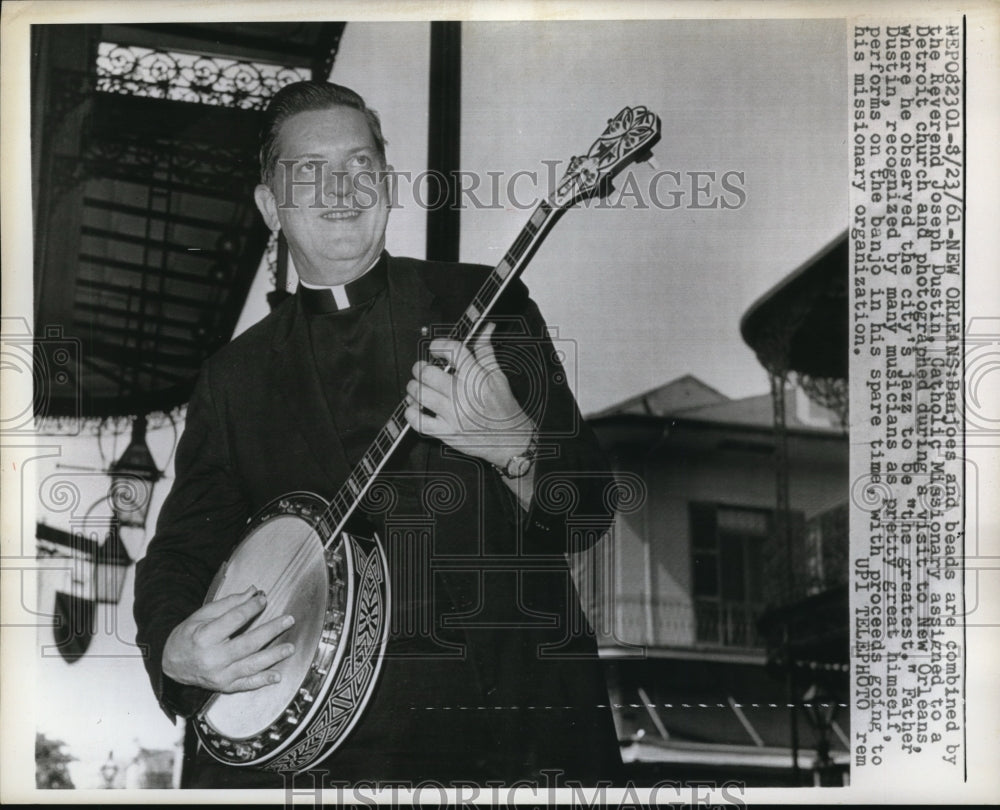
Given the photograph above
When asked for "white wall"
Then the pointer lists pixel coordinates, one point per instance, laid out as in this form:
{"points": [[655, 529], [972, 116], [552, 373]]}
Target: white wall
{"points": [[653, 294]]}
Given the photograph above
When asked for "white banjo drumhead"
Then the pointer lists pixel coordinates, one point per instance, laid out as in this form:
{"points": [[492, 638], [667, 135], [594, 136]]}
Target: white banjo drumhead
{"points": [[284, 557]]}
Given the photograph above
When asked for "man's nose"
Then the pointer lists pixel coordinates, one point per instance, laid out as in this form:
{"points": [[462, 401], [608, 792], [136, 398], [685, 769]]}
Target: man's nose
{"points": [[339, 185]]}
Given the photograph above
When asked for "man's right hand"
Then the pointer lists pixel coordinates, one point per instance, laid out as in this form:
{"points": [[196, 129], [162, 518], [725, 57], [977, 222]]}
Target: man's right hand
{"points": [[201, 652]]}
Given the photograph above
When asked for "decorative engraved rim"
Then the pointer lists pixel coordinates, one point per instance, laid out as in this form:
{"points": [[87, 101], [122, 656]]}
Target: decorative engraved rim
{"points": [[358, 673]]}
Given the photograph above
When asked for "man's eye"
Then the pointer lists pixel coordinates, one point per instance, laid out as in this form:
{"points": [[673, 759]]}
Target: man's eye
{"points": [[307, 169], [362, 160]]}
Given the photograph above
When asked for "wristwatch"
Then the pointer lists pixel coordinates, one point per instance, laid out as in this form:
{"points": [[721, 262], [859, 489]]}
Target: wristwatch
{"points": [[519, 465]]}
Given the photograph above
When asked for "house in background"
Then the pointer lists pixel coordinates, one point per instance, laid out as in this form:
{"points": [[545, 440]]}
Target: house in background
{"points": [[693, 562], [151, 768]]}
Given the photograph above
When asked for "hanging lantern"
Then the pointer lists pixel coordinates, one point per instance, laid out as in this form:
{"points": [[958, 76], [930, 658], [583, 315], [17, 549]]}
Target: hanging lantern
{"points": [[132, 479]]}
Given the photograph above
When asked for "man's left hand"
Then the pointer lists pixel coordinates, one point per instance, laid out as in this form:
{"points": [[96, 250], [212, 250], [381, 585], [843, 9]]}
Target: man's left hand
{"points": [[469, 404]]}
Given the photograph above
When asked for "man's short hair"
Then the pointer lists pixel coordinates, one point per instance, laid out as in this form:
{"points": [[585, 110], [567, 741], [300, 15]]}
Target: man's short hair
{"points": [[308, 96]]}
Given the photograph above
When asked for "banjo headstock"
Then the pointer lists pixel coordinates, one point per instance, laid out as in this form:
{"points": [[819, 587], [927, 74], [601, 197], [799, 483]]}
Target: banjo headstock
{"points": [[629, 137]]}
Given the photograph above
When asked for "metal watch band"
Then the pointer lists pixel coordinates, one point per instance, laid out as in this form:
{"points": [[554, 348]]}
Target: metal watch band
{"points": [[528, 456]]}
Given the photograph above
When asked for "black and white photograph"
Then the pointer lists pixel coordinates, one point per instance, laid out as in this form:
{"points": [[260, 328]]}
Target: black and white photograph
{"points": [[546, 404]]}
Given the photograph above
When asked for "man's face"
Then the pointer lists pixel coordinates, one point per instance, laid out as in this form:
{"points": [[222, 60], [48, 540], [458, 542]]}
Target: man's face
{"points": [[325, 194]]}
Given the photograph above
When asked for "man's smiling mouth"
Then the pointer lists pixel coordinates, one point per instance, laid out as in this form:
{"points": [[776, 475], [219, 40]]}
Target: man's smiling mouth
{"points": [[339, 215]]}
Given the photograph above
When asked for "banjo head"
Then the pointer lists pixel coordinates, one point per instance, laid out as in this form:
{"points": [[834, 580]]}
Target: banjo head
{"points": [[296, 581], [326, 590]]}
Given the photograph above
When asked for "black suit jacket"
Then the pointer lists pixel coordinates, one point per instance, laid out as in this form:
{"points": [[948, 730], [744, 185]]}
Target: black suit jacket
{"points": [[492, 672]]}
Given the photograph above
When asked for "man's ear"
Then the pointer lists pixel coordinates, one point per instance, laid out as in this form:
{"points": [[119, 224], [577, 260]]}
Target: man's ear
{"points": [[267, 205]]}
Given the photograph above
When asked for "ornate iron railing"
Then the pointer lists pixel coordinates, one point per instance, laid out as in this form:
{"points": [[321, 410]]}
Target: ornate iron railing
{"points": [[196, 78]]}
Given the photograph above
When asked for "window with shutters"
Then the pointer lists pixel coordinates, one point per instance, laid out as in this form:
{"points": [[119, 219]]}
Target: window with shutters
{"points": [[727, 549]]}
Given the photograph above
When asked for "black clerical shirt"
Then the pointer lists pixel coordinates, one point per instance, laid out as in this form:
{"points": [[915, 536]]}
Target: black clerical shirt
{"points": [[354, 354], [355, 358]]}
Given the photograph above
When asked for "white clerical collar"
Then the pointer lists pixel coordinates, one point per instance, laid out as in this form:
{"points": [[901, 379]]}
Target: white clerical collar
{"points": [[328, 297]]}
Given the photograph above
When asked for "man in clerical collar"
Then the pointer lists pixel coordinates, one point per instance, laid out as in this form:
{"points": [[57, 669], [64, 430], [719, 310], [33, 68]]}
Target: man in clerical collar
{"points": [[491, 670]]}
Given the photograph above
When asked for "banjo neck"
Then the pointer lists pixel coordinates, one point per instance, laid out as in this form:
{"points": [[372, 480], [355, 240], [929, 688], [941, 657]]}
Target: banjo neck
{"points": [[392, 433], [629, 136]]}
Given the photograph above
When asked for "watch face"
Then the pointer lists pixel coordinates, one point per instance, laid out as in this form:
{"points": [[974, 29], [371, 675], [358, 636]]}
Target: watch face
{"points": [[518, 466]]}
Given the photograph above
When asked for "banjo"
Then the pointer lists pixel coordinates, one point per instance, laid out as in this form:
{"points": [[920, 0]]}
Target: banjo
{"points": [[335, 582]]}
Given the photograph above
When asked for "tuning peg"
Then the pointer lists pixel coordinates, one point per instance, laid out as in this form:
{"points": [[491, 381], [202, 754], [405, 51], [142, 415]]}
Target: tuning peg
{"points": [[649, 158]]}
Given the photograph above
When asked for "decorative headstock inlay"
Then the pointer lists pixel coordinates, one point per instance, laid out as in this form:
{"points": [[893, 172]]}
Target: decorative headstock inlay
{"points": [[628, 135]]}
